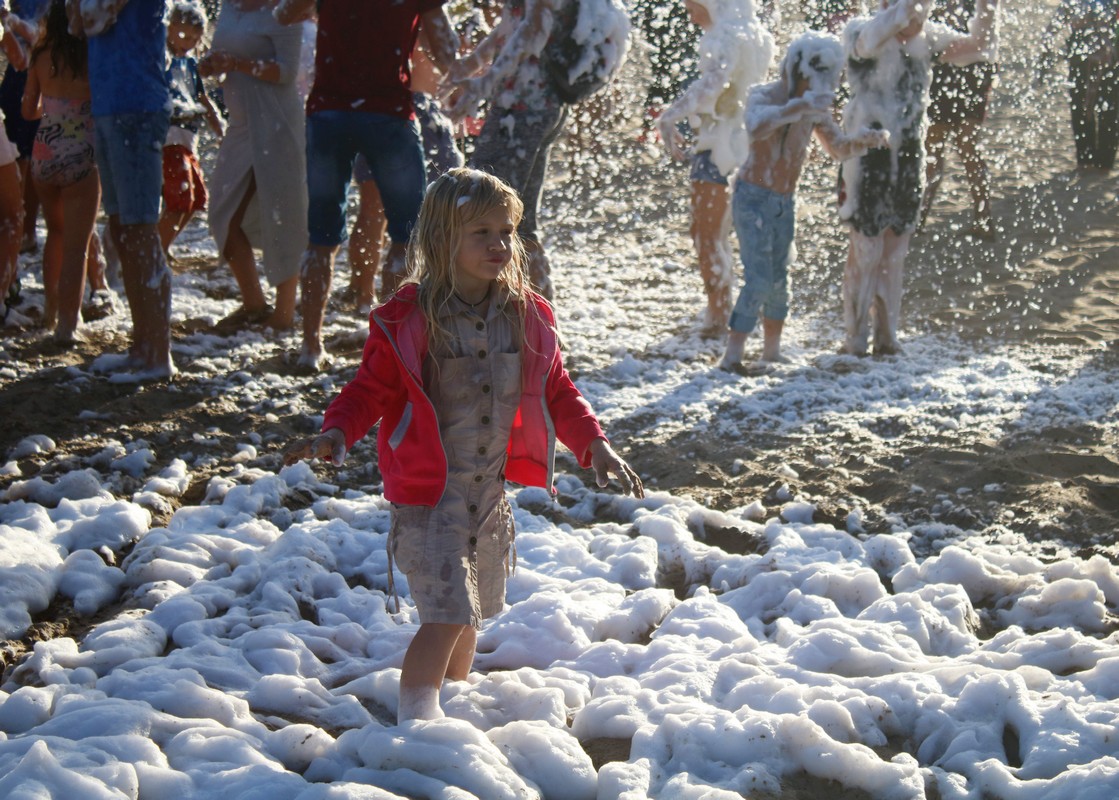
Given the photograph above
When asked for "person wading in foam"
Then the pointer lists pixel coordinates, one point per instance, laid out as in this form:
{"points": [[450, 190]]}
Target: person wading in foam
{"points": [[889, 64]]}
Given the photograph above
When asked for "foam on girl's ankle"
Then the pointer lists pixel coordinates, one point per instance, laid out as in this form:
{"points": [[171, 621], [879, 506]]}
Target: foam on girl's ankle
{"points": [[418, 703]]}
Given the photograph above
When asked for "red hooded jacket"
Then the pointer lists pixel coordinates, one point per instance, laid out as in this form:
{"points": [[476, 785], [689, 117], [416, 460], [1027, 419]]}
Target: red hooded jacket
{"points": [[388, 387]]}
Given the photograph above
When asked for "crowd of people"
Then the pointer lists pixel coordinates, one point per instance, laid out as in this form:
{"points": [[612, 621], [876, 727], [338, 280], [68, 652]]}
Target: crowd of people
{"points": [[104, 104], [462, 368]]}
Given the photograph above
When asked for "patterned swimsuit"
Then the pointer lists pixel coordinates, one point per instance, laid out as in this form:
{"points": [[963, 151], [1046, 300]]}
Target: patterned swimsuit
{"points": [[63, 151]]}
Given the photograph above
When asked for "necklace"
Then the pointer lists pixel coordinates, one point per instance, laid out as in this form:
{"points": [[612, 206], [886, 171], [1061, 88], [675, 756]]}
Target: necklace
{"points": [[474, 306]]}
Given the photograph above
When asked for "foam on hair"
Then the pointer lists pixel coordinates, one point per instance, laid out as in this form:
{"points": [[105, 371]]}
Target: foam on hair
{"points": [[189, 12]]}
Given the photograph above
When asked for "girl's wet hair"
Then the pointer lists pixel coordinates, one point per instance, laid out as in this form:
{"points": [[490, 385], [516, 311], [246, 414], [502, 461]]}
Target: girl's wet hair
{"points": [[189, 12], [452, 201], [66, 51]]}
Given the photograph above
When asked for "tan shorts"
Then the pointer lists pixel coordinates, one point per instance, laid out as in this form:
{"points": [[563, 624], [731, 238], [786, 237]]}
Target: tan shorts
{"points": [[456, 572]]}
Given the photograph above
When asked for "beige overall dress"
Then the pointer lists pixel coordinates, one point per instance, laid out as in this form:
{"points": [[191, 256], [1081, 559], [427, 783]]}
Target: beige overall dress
{"points": [[457, 554]]}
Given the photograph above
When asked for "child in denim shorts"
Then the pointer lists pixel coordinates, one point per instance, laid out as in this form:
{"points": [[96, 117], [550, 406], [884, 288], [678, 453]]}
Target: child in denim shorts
{"points": [[781, 118]]}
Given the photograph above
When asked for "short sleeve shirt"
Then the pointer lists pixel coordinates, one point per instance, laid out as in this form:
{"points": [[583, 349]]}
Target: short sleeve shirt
{"points": [[128, 62], [186, 87], [363, 55]]}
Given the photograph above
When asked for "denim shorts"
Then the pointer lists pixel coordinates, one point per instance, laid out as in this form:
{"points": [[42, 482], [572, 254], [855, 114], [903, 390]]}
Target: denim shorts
{"points": [[704, 169], [441, 153], [129, 151], [765, 222], [392, 152]]}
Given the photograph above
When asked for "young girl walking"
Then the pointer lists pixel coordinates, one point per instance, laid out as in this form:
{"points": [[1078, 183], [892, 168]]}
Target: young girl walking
{"points": [[63, 166], [462, 368]]}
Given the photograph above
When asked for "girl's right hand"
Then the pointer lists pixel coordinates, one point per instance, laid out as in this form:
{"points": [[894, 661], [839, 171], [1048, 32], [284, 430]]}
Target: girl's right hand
{"points": [[329, 446]]}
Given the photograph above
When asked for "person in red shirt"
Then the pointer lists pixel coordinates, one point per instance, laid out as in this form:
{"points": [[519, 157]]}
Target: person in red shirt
{"points": [[361, 102]]}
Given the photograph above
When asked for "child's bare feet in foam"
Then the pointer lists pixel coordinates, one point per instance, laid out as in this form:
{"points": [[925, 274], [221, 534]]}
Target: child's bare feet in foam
{"points": [[67, 338], [148, 375]]}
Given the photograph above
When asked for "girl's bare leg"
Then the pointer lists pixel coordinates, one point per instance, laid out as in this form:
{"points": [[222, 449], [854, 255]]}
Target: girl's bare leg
{"points": [[171, 224], [30, 206], [426, 664], [50, 198], [79, 213], [709, 230]]}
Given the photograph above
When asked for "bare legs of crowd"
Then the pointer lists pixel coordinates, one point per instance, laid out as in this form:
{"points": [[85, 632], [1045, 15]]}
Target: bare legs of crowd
{"points": [[872, 287]]}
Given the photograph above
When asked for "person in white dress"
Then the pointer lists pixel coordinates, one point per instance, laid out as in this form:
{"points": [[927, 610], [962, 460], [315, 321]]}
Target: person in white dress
{"points": [[258, 188]]}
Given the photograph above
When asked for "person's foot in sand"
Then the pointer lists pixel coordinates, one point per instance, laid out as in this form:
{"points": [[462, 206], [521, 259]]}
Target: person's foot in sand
{"points": [[983, 229], [307, 362], [771, 346]]}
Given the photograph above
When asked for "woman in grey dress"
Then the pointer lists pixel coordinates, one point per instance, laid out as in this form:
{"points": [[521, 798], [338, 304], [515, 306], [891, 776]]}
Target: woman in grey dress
{"points": [[258, 189]]}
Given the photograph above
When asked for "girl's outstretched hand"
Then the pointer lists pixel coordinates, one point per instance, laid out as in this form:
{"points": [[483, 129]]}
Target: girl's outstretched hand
{"points": [[329, 446], [605, 462]]}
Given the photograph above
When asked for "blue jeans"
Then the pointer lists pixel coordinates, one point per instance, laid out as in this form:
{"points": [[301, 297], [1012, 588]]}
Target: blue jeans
{"points": [[129, 150], [391, 149], [765, 222], [438, 135]]}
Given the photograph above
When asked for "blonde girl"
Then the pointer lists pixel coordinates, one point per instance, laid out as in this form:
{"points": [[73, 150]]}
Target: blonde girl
{"points": [[463, 370]]}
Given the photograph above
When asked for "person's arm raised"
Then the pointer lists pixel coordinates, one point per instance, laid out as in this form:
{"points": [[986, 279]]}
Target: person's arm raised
{"points": [[439, 38], [981, 43]]}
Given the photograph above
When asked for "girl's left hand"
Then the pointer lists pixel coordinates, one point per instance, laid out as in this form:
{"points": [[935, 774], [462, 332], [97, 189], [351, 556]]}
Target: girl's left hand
{"points": [[605, 462]]}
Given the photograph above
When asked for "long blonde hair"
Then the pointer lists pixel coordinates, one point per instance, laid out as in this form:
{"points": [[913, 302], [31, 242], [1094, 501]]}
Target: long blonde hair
{"points": [[453, 201]]}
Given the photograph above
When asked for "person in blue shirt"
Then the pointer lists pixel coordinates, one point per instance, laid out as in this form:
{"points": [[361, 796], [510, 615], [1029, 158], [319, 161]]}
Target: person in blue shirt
{"points": [[131, 115]]}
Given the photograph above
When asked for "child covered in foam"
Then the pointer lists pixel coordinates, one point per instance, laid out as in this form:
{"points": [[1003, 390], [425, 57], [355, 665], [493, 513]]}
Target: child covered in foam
{"points": [[781, 118], [889, 64], [734, 53]]}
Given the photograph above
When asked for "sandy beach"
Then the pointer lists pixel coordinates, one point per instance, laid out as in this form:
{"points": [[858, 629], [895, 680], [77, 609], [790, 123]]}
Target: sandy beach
{"points": [[997, 424]]}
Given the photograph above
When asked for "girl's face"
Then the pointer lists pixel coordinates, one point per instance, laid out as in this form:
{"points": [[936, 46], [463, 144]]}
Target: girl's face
{"points": [[182, 37], [484, 249]]}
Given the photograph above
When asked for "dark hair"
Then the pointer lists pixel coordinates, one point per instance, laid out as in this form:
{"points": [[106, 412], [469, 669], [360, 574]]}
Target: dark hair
{"points": [[66, 50]]}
